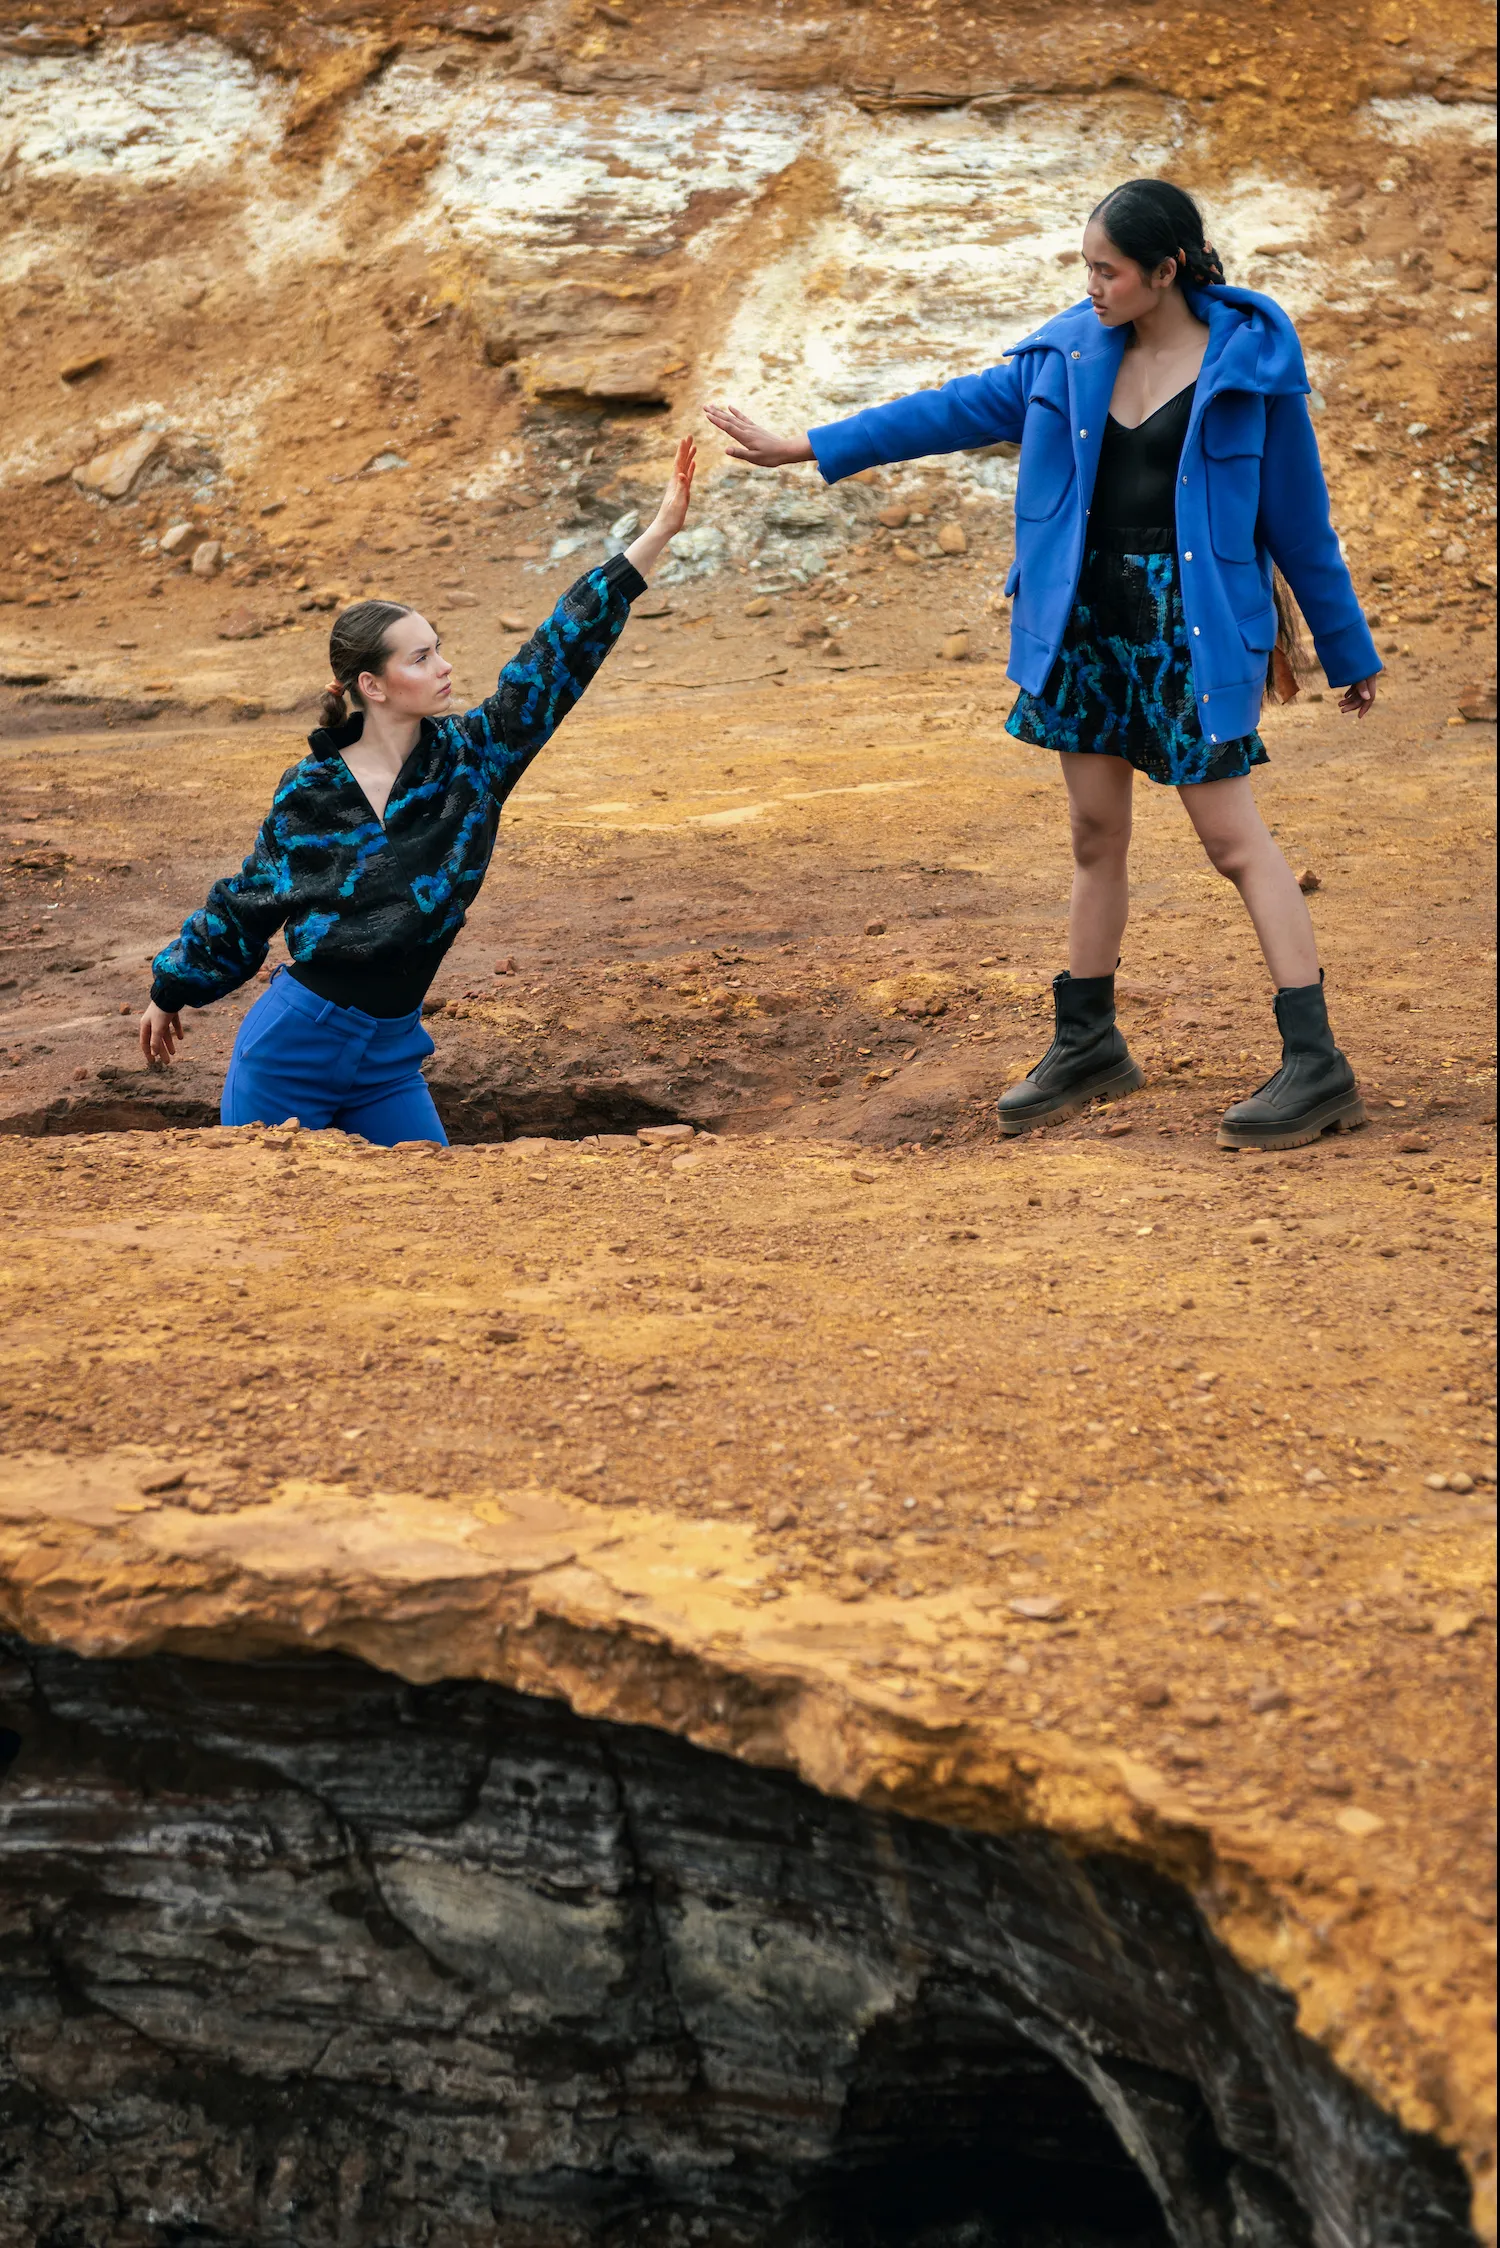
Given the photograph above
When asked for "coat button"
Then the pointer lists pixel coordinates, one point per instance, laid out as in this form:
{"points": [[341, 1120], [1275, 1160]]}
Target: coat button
{"points": [[1083, 433], [1184, 480], [1205, 698], [1077, 355], [1213, 737], [1188, 556], [1196, 631]]}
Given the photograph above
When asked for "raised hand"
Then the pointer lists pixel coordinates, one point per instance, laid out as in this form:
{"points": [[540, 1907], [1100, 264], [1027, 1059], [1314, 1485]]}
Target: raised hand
{"points": [[762, 448], [646, 551]]}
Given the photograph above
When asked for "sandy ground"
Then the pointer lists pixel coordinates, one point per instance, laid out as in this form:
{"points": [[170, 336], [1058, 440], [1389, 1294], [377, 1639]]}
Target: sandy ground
{"points": [[1160, 1477]]}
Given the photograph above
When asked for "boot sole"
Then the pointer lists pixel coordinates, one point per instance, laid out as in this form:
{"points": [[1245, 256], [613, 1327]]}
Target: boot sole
{"points": [[1128, 1078], [1346, 1114]]}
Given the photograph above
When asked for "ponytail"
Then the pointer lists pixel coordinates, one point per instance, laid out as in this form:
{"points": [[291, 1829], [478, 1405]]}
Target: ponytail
{"points": [[334, 708], [356, 644], [1287, 666], [1149, 221]]}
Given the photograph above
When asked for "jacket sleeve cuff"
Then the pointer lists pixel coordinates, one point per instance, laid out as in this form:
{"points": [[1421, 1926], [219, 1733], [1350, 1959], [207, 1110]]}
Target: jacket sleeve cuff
{"points": [[622, 577], [168, 996], [1348, 655], [838, 450]]}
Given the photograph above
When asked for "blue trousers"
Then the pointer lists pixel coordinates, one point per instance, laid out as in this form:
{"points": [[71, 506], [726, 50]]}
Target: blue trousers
{"points": [[298, 1055]]}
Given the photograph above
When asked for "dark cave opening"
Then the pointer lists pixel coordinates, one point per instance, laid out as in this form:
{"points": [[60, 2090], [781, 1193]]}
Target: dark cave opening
{"points": [[302, 1956]]}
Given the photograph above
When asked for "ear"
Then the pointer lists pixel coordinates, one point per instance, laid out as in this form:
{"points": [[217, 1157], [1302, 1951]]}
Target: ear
{"points": [[371, 687], [1165, 274]]}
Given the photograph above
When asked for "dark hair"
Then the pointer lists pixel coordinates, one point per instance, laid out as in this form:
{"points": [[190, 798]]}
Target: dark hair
{"points": [[357, 643], [1151, 220]]}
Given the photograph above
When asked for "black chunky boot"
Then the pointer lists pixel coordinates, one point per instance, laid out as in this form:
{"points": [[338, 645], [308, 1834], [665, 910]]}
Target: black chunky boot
{"points": [[1313, 1092], [1087, 1060]]}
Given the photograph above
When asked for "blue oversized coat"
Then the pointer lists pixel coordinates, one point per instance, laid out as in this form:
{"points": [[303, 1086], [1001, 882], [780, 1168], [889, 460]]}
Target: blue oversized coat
{"points": [[1250, 493]]}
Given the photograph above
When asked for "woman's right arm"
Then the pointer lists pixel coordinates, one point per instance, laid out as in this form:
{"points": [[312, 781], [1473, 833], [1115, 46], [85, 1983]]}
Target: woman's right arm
{"points": [[985, 409], [218, 948]]}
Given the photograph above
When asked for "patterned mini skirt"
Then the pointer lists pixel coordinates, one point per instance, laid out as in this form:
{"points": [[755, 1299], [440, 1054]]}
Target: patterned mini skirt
{"points": [[1122, 685]]}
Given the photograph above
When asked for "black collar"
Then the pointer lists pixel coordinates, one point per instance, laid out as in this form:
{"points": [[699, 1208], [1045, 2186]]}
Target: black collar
{"points": [[332, 741]]}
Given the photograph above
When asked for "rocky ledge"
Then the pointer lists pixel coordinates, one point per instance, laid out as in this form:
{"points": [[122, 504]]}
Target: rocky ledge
{"points": [[376, 1869], [300, 1953]]}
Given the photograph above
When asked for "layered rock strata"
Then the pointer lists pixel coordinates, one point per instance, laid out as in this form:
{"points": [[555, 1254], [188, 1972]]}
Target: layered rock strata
{"points": [[300, 1953]]}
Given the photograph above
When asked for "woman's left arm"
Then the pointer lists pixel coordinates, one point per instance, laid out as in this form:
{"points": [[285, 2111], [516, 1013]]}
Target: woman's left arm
{"points": [[1297, 527], [542, 682]]}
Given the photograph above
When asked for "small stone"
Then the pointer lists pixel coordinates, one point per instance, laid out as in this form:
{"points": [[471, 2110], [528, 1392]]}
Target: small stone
{"points": [[113, 474], [242, 624], [1262, 1230], [206, 558], [665, 1135], [1181, 1753], [693, 1160], [1313, 1477], [1203, 1715], [1434, 1482], [164, 1479], [1474, 280], [955, 647], [905, 553], [82, 365], [1453, 1623], [179, 536], [1455, 551], [893, 517], [1477, 703], [783, 1516], [759, 607], [830, 1077], [874, 928], [849, 1588], [1153, 1693], [1460, 1481], [1267, 1696], [951, 539], [501, 1335], [1308, 881], [1117, 1132], [1357, 1824], [506, 967], [1040, 1607], [1413, 1143]]}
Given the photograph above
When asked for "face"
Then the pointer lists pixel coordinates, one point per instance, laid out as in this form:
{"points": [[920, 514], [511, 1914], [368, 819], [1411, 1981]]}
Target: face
{"points": [[417, 681], [1119, 290]]}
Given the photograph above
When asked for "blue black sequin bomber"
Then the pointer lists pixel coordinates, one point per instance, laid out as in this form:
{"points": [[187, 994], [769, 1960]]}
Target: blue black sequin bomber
{"points": [[370, 908]]}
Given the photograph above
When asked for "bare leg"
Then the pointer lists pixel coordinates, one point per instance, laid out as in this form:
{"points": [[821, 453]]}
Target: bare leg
{"points": [[1242, 849], [1099, 807]]}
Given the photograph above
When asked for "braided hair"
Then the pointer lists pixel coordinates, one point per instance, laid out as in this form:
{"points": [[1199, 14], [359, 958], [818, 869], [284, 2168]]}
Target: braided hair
{"points": [[358, 642], [1150, 221]]}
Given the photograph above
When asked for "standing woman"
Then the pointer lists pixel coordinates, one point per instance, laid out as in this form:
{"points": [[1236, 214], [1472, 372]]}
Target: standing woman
{"points": [[1168, 470], [373, 851]]}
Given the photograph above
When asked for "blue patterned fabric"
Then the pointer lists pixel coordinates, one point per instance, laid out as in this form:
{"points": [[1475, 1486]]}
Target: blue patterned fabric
{"points": [[355, 894], [1122, 685]]}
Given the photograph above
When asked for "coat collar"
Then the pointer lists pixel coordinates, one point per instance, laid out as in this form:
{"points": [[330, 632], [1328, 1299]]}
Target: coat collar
{"points": [[1252, 345], [327, 742]]}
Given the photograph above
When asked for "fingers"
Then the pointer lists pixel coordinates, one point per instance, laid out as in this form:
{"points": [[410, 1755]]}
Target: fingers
{"points": [[146, 1037]]}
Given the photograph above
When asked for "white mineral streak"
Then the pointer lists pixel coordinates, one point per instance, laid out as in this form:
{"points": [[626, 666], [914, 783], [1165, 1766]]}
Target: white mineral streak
{"points": [[915, 247]]}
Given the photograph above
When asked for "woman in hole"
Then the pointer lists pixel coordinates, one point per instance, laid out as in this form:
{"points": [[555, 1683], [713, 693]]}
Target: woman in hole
{"points": [[1169, 481], [373, 851]]}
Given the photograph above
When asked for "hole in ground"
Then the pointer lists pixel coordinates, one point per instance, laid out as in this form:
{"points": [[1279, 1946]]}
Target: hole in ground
{"points": [[469, 1967]]}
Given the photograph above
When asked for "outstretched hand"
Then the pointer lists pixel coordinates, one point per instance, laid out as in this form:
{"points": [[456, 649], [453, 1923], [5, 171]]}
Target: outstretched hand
{"points": [[670, 517], [762, 448]]}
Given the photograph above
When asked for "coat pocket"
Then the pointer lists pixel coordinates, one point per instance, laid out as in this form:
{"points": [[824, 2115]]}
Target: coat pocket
{"points": [[1234, 438], [1259, 631], [1046, 473]]}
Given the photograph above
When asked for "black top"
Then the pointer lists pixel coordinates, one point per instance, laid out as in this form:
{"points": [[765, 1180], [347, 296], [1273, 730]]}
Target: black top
{"points": [[1136, 487]]}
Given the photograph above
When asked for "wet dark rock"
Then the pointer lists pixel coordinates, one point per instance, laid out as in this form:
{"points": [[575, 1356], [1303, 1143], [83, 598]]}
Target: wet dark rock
{"points": [[302, 1956]]}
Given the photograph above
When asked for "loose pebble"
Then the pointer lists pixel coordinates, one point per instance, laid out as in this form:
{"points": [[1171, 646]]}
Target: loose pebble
{"points": [[1358, 1824], [1268, 1696], [1039, 1608], [1203, 1715], [1153, 1693]]}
